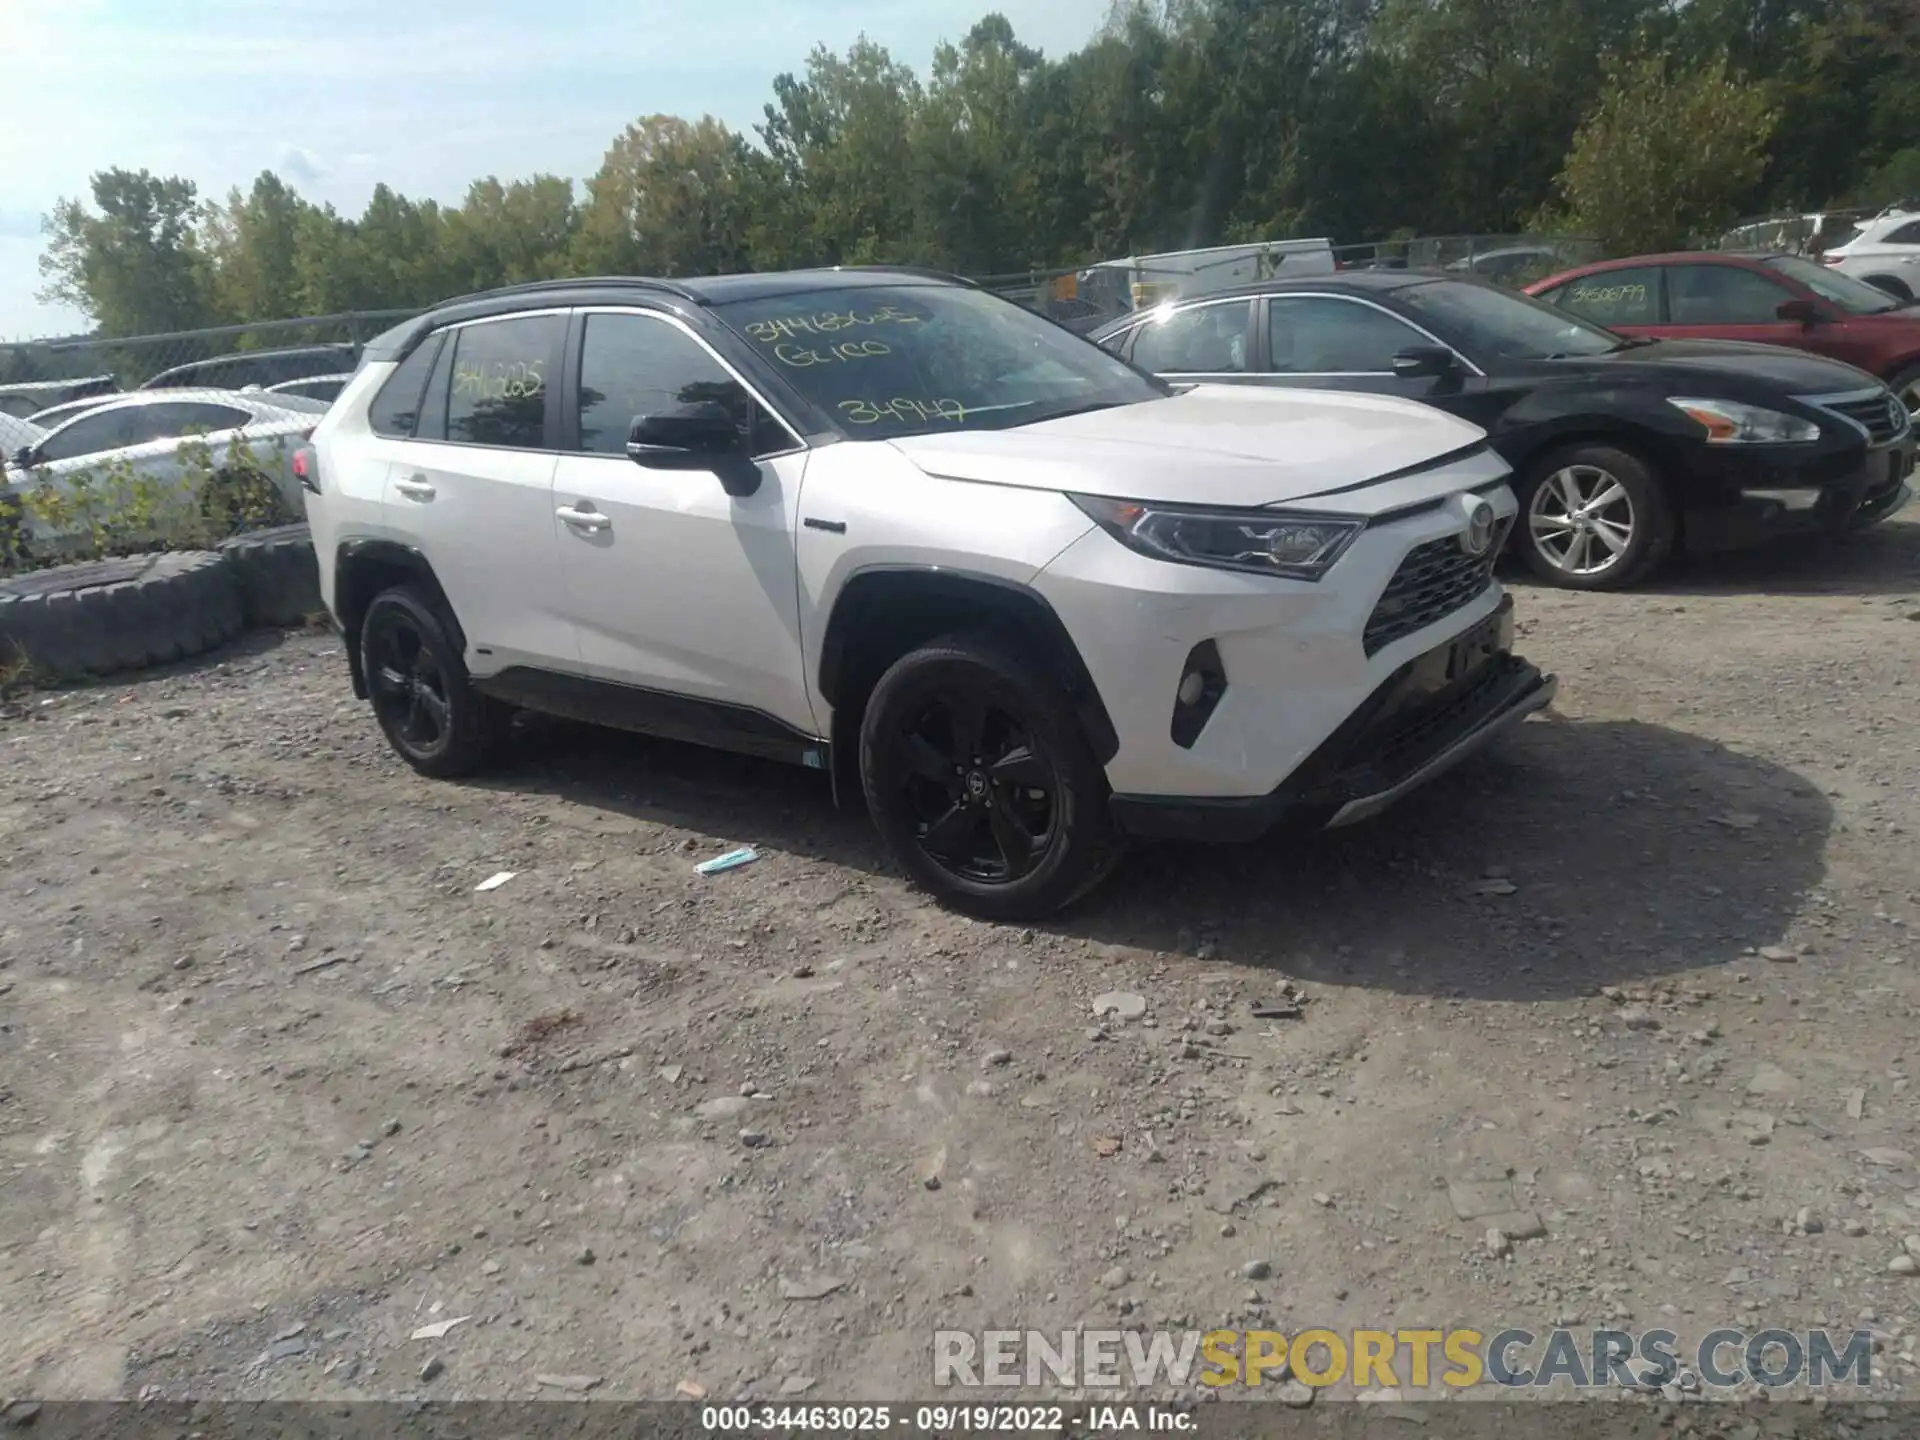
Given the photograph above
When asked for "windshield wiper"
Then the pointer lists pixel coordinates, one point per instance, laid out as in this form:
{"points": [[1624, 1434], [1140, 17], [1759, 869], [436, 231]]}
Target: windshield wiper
{"points": [[1632, 342]]}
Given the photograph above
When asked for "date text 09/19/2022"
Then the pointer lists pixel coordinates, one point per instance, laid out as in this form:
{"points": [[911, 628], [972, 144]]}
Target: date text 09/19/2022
{"points": [[937, 1419]]}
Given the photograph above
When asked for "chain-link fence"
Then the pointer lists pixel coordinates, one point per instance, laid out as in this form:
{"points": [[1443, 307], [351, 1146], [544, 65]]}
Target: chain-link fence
{"points": [[288, 355]]}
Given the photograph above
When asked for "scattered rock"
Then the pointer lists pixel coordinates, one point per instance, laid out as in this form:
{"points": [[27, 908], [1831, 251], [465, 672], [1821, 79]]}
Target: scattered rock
{"points": [[1496, 886], [723, 1107], [1779, 954], [1638, 1017], [1853, 1228], [390, 1129], [1499, 1243], [796, 1384], [572, 1384], [433, 1368], [1323, 1200], [1122, 1003], [997, 1057], [1116, 1277], [586, 1256], [1295, 1393], [816, 1288], [22, 1413], [1807, 1222], [753, 1139], [1256, 1270], [1887, 1157], [691, 1390], [1771, 1080], [1856, 1104], [1903, 1265], [671, 1073]]}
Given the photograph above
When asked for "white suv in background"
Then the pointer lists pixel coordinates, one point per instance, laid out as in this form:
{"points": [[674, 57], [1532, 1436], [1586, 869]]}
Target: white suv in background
{"points": [[1025, 598], [1884, 252]]}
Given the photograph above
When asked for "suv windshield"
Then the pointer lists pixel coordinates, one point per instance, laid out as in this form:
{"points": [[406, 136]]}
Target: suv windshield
{"points": [[1503, 323], [890, 360], [1856, 297]]}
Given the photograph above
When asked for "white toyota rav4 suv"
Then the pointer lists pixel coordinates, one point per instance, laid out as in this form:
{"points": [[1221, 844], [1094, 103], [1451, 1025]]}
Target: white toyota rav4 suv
{"points": [[1028, 599]]}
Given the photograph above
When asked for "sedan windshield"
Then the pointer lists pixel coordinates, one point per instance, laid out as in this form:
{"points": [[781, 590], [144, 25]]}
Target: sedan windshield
{"points": [[1856, 297], [1503, 324], [886, 361]]}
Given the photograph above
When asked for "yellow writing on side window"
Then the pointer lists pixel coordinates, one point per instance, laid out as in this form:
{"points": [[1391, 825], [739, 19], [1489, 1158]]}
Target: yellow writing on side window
{"points": [[831, 322], [500, 379], [873, 412], [1609, 294], [844, 352]]}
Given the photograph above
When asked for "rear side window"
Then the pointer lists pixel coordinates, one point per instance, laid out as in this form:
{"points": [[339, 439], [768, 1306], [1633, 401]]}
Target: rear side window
{"points": [[1723, 295], [498, 390], [180, 417], [90, 434], [1905, 235], [1615, 297], [397, 407]]}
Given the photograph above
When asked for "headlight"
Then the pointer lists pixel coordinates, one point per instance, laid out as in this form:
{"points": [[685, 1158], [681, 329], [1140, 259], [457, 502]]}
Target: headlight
{"points": [[1293, 544], [1728, 422]]}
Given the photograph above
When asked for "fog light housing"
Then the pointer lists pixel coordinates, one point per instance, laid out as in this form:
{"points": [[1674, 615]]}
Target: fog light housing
{"points": [[1203, 681]]}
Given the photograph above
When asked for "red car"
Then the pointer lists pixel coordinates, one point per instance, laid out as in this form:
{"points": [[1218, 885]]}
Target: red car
{"points": [[1773, 299]]}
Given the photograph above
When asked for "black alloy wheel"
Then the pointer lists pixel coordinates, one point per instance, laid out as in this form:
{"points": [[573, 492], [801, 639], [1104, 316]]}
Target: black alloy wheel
{"points": [[980, 779], [429, 710], [982, 796]]}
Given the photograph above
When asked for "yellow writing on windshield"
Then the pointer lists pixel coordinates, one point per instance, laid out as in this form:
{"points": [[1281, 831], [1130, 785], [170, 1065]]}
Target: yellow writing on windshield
{"points": [[910, 412], [846, 351], [830, 322]]}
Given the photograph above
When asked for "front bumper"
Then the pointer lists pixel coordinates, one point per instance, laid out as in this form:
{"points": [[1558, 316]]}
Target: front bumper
{"points": [[1430, 714], [1739, 501]]}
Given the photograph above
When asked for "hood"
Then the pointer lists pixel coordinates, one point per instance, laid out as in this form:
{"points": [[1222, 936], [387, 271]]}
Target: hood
{"points": [[1793, 370], [1211, 445]]}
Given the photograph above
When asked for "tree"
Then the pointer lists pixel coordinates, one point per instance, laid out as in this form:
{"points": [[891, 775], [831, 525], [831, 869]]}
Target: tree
{"points": [[1663, 161], [134, 267], [508, 234], [670, 198], [252, 245]]}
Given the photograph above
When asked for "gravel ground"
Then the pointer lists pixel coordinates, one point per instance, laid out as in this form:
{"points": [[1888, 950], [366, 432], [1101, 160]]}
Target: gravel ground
{"points": [[278, 1085]]}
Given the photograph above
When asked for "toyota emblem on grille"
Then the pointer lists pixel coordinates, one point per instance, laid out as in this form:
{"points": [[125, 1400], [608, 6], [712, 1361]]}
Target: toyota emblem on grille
{"points": [[1479, 532]]}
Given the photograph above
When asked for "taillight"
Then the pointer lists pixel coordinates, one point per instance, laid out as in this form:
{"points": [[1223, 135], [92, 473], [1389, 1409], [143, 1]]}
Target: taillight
{"points": [[306, 468]]}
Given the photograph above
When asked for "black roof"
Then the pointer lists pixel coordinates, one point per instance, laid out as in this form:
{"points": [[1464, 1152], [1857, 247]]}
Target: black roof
{"points": [[627, 289]]}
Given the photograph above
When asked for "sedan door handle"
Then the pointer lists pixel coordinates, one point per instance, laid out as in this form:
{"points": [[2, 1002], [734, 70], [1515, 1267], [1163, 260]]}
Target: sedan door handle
{"points": [[588, 519], [415, 488]]}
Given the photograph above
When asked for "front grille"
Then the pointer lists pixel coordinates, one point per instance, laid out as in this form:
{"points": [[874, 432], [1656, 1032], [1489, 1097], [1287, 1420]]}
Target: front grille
{"points": [[1435, 579], [1882, 414]]}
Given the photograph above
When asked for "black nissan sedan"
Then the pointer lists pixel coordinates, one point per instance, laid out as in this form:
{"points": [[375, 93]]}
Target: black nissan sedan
{"points": [[1623, 449]]}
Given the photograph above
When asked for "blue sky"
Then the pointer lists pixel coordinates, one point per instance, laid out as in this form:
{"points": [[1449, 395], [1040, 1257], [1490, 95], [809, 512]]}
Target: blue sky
{"points": [[426, 95]]}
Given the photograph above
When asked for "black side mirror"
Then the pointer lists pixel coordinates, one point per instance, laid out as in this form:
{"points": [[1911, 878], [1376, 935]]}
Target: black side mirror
{"points": [[1803, 312], [701, 436], [1419, 362], [23, 458]]}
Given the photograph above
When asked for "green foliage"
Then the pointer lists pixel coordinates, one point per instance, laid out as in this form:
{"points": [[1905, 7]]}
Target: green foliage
{"points": [[1182, 122], [1664, 160], [113, 509], [1894, 182]]}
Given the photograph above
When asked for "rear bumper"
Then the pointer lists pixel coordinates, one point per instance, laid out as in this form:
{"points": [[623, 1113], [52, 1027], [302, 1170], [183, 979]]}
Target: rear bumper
{"points": [[1415, 727], [1750, 503]]}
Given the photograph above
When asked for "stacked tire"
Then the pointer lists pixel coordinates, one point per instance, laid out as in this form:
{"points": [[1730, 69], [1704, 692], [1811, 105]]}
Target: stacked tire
{"points": [[279, 577], [72, 622]]}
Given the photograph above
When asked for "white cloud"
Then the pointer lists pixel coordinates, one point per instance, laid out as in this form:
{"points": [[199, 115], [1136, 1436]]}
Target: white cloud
{"points": [[301, 166]]}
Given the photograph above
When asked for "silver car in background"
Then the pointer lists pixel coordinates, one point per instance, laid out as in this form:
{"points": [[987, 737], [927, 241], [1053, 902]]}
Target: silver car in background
{"points": [[147, 434]]}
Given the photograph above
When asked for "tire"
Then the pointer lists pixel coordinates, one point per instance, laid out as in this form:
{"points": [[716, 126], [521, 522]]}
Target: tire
{"points": [[923, 712], [122, 614], [1641, 514], [427, 707], [1907, 386], [279, 577]]}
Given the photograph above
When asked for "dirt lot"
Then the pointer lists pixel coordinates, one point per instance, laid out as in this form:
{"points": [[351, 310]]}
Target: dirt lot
{"points": [[278, 1086]]}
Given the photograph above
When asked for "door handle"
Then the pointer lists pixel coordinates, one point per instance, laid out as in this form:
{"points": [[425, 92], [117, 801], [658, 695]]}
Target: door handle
{"points": [[415, 488], [587, 519]]}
